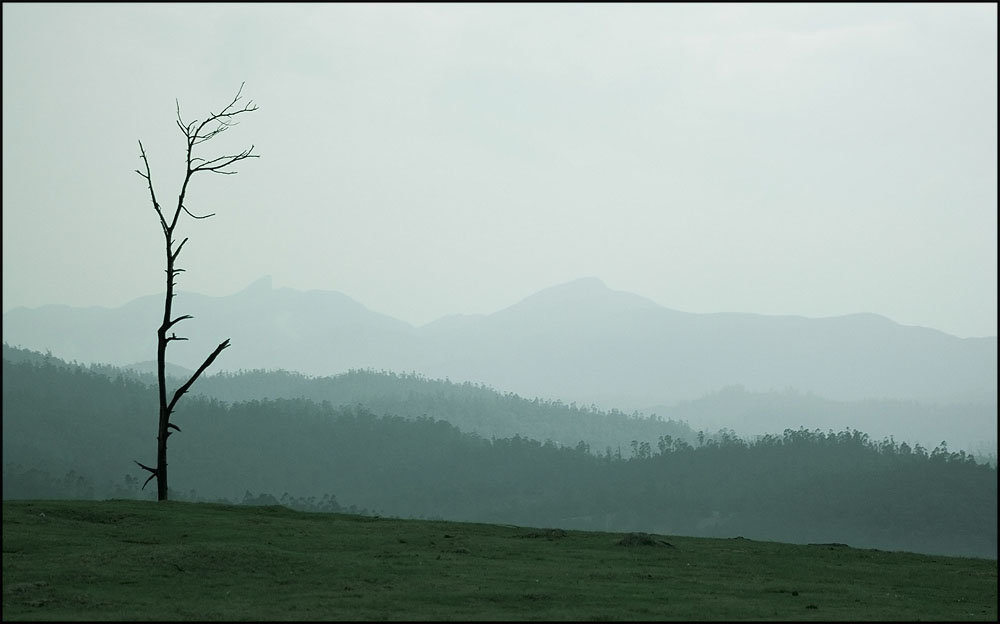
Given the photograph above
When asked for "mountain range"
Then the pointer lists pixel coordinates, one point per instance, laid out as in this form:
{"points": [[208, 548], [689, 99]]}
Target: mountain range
{"points": [[579, 342]]}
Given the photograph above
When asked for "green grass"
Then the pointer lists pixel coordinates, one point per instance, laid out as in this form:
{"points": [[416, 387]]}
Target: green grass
{"points": [[131, 560]]}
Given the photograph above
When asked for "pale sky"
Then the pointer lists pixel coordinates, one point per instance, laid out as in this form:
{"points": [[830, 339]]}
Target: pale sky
{"points": [[427, 159]]}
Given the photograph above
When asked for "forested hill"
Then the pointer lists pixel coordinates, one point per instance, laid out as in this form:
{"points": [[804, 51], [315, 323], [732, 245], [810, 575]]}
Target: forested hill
{"points": [[483, 410], [796, 486], [476, 408], [472, 408]]}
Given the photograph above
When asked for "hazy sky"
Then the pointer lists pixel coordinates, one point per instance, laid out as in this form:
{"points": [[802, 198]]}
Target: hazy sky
{"points": [[814, 160]]}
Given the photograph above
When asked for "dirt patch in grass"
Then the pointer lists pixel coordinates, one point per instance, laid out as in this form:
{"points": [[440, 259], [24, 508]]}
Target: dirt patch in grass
{"points": [[546, 533], [643, 539]]}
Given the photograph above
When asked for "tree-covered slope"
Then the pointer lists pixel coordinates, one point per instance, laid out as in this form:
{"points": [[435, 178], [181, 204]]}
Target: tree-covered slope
{"points": [[797, 486]]}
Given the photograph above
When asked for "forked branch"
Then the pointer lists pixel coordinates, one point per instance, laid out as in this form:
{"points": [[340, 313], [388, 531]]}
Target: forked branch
{"points": [[152, 473]]}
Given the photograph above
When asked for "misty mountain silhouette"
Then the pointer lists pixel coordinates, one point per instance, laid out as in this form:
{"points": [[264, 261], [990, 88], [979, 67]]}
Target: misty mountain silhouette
{"points": [[579, 341]]}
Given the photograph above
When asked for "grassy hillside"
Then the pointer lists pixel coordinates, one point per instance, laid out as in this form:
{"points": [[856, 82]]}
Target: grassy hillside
{"points": [[132, 560]]}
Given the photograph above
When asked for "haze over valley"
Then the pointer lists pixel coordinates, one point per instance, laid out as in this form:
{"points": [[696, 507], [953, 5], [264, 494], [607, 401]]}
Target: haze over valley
{"points": [[377, 443], [582, 343]]}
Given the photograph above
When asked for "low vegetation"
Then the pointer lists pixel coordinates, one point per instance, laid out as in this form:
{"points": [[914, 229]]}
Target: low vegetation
{"points": [[138, 560]]}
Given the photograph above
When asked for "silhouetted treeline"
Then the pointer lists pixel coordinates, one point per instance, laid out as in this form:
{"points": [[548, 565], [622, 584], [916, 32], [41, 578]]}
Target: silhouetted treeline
{"points": [[797, 486], [474, 408]]}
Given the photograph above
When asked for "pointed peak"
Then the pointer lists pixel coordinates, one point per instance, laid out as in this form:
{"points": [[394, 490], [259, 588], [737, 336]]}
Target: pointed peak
{"points": [[589, 293], [589, 284], [586, 288], [260, 287], [260, 284], [583, 287]]}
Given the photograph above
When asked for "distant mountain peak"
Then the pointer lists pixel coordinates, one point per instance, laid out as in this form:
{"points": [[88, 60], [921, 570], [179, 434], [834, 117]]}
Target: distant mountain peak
{"points": [[584, 287], [589, 293], [585, 283], [260, 284]]}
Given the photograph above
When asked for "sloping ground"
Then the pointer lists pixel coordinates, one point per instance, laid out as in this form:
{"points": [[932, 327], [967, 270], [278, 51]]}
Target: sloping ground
{"points": [[129, 560]]}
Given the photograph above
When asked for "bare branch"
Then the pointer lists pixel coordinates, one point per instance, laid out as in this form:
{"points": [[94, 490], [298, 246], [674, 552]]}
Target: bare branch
{"points": [[224, 120], [153, 473], [208, 362], [194, 216], [152, 195], [223, 126], [197, 133], [216, 165], [180, 122], [177, 320], [177, 252]]}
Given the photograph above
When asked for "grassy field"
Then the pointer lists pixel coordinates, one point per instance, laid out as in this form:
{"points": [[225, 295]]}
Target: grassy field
{"points": [[130, 560]]}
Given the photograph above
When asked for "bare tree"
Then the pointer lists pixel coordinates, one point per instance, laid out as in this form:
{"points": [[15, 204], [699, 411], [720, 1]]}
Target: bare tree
{"points": [[196, 133]]}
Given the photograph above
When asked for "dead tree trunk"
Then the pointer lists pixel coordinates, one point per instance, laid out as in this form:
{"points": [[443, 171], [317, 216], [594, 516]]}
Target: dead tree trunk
{"points": [[195, 133]]}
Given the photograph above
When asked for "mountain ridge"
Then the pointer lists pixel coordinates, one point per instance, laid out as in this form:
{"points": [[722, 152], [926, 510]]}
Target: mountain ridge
{"points": [[578, 341]]}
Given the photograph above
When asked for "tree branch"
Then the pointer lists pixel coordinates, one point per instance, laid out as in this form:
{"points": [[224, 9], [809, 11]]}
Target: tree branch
{"points": [[194, 216], [149, 181], [177, 320], [153, 473], [208, 362], [209, 165], [225, 119], [177, 252], [197, 134]]}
